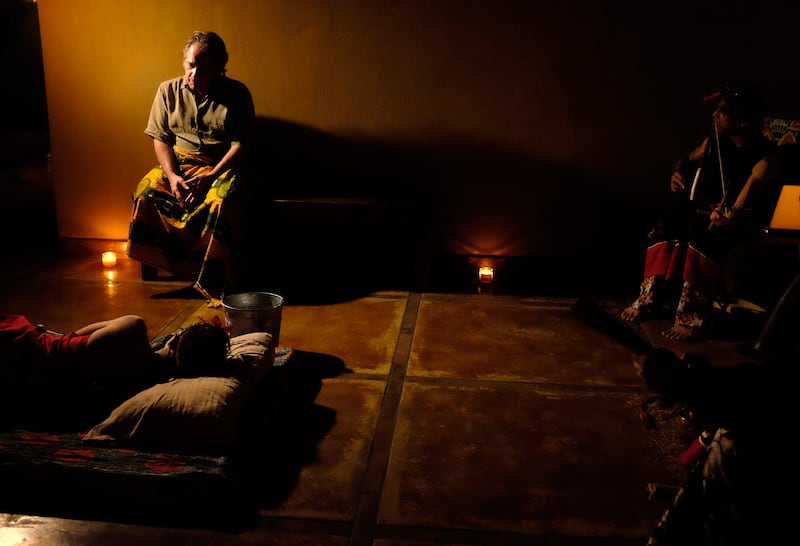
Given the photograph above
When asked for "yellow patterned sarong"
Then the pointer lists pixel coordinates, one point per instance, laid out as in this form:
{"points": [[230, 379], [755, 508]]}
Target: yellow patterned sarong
{"points": [[193, 243]]}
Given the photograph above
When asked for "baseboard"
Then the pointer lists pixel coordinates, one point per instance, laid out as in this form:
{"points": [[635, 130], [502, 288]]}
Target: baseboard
{"points": [[75, 247]]}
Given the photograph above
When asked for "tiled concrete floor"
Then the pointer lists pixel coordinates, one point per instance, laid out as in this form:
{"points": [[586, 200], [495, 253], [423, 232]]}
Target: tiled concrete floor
{"points": [[454, 418], [459, 419]]}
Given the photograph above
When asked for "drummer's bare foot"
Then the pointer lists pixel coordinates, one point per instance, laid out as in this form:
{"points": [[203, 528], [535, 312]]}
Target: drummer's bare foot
{"points": [[631, 314], [683, 333]]}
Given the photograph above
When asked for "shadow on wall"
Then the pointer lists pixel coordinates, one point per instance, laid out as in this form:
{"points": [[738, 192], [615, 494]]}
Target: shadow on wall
{"points": [[297, 161], [330, 218], [339, 212]]}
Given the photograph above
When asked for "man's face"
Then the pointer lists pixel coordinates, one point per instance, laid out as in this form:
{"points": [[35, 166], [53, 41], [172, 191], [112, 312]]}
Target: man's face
{"points": [[199, 70]]}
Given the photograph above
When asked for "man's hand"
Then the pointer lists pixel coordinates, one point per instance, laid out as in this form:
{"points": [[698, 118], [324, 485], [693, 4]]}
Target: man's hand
{"points": [[179, 187], [720, 218], [677, 182], [197, 187]]}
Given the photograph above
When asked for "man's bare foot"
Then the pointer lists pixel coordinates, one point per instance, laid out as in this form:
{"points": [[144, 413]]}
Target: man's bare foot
{"points": [[682, 333], [631, 314]]}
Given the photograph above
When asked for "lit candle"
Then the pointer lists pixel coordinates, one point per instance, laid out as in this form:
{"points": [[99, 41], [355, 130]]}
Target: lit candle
{"points": [[109, 259], [486, 274]]}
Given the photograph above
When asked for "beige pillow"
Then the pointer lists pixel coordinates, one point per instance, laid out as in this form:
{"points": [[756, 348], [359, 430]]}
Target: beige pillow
{"points": [[191, 413]]}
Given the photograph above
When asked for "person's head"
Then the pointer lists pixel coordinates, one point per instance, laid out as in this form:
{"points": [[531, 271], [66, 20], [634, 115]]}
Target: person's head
{"points": [[204, 59], [684, 379], [739, 107], [201, 350], [663, 372]]}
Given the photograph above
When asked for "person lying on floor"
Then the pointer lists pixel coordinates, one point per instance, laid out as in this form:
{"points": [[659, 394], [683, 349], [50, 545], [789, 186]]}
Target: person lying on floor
{"points": [[96, 367], [734, 491]]}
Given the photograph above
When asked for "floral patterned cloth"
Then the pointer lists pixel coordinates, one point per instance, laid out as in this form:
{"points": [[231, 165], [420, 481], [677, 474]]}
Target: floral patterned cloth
{"points": [[194, 242]]}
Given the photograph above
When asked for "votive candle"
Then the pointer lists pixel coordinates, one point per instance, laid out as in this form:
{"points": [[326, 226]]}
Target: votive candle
{"points": [[109, 259]]}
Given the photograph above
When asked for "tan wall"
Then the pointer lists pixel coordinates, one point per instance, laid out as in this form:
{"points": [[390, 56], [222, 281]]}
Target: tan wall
{"points": [[535, 127]]}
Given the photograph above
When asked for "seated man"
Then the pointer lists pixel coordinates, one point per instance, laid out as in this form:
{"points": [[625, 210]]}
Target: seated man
{"points": [[185, 218], [86, 373], [726, 190]]}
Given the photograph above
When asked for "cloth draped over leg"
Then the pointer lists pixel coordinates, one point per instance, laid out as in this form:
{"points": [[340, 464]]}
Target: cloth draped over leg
{"points": [[665, 258], [195, 243], [42, 378], [664, 261], [701, 276]]}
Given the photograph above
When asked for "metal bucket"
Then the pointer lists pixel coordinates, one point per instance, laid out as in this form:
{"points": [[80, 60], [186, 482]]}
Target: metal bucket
{"points": [[254, 312]]}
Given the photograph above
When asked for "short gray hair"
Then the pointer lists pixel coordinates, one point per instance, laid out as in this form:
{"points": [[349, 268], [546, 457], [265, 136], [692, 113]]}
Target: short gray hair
{"points": [[210, 43]]}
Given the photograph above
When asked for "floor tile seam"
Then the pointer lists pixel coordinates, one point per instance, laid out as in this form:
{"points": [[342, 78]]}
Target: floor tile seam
{"points": [[523, 384], [389, 295], [492, 537], [509, 301], [304, 525], [403, 343], [368, 508], [97, 277], [362, 376]]}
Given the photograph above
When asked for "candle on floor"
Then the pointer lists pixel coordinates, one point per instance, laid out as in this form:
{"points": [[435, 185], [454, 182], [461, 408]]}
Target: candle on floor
{"points": [[109, 259], [486, 274]]}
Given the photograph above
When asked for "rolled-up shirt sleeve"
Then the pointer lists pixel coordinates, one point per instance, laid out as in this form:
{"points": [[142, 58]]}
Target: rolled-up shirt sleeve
{"points": [[158, 126]]}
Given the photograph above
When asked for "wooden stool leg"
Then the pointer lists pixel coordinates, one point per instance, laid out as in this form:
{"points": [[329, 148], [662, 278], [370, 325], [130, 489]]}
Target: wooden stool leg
{"points": [[149, 273]]}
